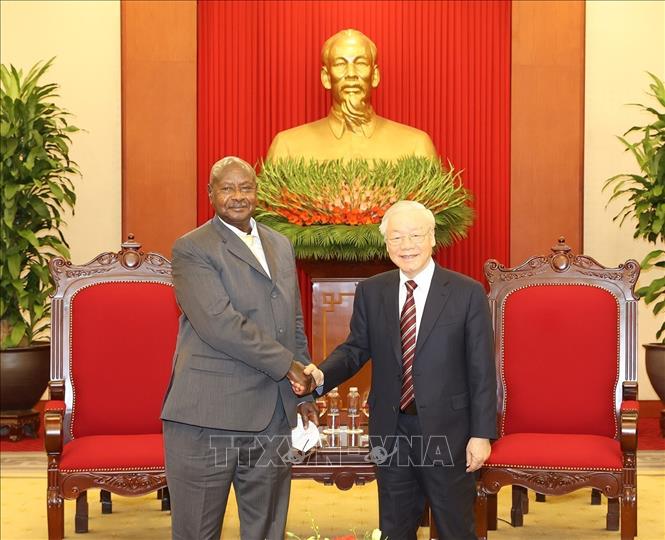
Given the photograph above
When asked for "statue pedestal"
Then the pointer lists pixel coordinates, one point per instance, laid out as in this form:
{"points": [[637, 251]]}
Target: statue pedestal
{"points": [[333, 285]]}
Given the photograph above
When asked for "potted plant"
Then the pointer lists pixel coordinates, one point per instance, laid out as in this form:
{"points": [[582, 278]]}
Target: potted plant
{"points": [[646, 204], [36, 189]]}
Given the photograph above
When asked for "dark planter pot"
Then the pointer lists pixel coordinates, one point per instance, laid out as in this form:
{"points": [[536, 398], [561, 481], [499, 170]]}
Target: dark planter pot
{"points": [[655, 363], [24, 373]]}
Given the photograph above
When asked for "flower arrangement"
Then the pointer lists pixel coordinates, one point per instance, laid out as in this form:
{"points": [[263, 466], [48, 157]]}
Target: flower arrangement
{"points": [[369, 535], [332, 209]]}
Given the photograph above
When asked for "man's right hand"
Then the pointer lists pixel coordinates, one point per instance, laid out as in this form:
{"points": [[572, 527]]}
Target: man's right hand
{"points": [[302, 383]]}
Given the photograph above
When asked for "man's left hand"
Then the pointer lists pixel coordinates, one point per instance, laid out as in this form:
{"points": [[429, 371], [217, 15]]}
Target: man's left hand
{"points": [[477, 452], [309, 411]]}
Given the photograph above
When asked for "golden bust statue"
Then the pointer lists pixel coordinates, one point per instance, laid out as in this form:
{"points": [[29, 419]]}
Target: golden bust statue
{"points": [[352, 129]]}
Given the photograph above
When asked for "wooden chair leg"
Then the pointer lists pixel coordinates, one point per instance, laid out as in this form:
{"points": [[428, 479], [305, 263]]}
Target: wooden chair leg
{"points": [[55, 516], [629, 513], [492, 518], [81, 518], [525, 502], [516, 515], [105, 499], [612, 521], [480, 510], [166, 500], [596, 497], [540, 497]]}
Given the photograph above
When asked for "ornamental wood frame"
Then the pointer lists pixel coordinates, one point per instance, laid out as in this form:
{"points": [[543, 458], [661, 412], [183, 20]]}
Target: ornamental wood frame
{"points": [[129, 264], [562, 266]]}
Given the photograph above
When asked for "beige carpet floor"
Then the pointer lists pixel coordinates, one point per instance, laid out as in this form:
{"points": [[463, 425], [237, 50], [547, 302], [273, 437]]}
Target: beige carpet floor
{"points": [[570, 517]]}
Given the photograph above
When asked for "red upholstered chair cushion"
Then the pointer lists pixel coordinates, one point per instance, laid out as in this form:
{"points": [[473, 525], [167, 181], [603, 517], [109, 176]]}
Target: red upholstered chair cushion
{"points": [[560, 339], [122, 342], [113, 452], [55, 405], [556, 451]]}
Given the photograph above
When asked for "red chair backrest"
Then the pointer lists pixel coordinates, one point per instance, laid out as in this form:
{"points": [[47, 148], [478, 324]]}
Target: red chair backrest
{"points": [[122, 337], [560, 359]]}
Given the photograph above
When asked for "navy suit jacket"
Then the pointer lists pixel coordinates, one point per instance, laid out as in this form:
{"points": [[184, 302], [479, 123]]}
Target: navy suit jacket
{"points": [[453, 371]]}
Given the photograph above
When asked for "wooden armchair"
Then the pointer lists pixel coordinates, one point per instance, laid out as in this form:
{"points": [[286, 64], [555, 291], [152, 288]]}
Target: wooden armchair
{"points": [[565, 330], [114, 327]]}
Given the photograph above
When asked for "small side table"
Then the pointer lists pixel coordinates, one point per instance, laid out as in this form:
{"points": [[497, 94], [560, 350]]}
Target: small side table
{"points": [[20, 423]]}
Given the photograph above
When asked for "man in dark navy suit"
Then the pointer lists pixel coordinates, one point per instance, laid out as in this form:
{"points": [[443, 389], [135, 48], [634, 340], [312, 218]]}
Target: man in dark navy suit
{"points": [[428, 332]]}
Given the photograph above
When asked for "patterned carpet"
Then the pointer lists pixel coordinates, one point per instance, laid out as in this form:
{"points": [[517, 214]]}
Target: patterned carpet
{"points": [[570, 517]]}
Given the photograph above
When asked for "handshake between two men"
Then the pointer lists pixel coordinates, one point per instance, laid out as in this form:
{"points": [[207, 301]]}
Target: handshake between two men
{"points": [[304, 379]]}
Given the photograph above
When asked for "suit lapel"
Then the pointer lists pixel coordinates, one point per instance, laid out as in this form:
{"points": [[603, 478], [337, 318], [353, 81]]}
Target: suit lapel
{"points": [[268, 251], [437, 297], [391, 309], [236, 246]]}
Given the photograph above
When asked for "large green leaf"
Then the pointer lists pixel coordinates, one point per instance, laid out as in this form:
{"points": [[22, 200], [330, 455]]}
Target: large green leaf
{"points": [[17, 333], [14, 265]]}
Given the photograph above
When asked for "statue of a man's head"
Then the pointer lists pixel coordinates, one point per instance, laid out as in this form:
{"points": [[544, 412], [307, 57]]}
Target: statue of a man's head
{"points": [[349, 70]]}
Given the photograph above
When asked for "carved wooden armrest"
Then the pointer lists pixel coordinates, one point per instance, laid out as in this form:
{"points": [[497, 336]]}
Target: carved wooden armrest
{"points": [[629, 413], [629, 391], [54, 415]]}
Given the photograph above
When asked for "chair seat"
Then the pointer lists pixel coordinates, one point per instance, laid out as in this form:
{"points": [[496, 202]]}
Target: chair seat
{"points": [[113, 452], [556, 451]]}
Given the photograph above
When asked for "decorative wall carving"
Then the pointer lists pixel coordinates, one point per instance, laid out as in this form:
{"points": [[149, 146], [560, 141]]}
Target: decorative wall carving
{"points": [[332, 306]]}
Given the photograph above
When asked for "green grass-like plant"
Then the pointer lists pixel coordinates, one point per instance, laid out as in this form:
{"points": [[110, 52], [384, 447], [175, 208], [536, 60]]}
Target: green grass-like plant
{"points": [[331, 210], [36, 188]]}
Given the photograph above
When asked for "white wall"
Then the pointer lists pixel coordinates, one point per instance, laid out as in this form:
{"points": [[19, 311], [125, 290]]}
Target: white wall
{"points": [[85, 38], [623, 40]]}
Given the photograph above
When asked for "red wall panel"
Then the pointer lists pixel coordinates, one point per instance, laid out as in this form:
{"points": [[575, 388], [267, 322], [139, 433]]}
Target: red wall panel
{"points": [[445, 69]]}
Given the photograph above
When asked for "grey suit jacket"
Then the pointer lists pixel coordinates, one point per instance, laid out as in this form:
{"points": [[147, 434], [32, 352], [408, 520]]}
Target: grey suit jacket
{"points": [[239, 330]]}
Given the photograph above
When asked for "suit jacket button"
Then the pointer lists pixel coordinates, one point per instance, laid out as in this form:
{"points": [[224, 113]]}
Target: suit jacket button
{"points": [[281, 330]]}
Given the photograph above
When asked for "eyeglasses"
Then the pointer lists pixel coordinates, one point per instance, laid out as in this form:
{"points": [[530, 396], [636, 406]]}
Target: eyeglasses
{"points": [[417, 239]]}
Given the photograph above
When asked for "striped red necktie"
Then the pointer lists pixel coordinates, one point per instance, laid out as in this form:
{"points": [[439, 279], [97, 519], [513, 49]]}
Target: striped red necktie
{"points": [[407, 324]]}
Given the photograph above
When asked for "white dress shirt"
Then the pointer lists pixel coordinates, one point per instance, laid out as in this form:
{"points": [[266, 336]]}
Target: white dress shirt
{"points": [[423, 279], [254, 244]]}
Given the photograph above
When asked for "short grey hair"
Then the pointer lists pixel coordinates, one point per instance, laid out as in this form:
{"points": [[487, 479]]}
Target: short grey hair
{"points": [[402, 206], [230, 162]]}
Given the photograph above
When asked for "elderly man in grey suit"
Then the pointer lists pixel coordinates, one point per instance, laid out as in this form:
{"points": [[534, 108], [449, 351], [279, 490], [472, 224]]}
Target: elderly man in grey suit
{"points": [[230, 407]]}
